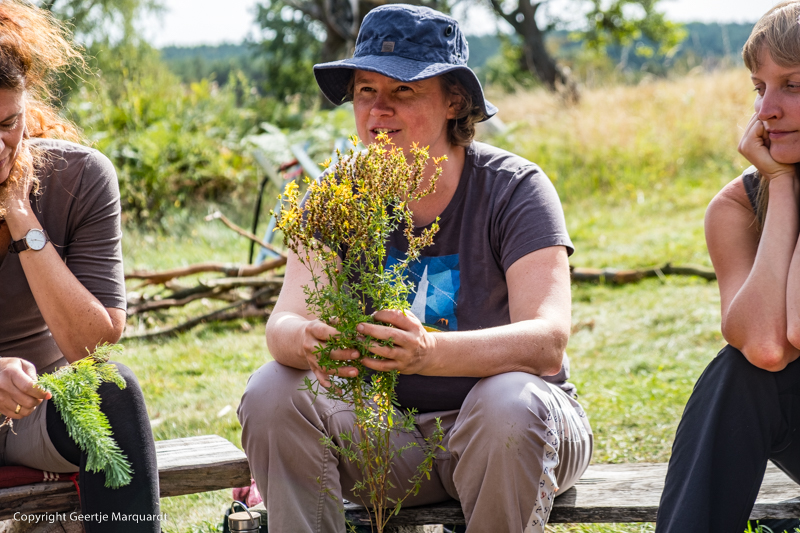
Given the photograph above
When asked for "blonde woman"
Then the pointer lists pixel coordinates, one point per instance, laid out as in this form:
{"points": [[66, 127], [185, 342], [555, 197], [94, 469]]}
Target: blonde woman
{"points": [[745, 408]]}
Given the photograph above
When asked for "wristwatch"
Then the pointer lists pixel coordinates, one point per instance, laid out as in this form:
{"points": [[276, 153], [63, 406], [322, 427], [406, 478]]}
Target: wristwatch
{"points": [[35, 239]]}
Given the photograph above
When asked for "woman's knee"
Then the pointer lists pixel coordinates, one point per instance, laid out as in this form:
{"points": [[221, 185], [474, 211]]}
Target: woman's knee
{"points": [[508, 404], [111, 393], [271, 390], [730, 370]]}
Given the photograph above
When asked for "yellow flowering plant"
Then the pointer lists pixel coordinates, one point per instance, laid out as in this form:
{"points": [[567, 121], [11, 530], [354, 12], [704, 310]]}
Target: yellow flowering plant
{"points": [[339, 232]]}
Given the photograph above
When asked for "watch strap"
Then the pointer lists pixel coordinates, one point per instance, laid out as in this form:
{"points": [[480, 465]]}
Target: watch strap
{"points": [[21, 245]]}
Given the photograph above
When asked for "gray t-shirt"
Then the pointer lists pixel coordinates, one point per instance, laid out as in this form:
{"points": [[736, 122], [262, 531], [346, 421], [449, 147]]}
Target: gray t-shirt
{"points": [[504, 208], [79, 208]]}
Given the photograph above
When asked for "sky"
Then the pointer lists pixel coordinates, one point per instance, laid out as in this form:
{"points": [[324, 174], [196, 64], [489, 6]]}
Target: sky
{"points": [[192, 22]]}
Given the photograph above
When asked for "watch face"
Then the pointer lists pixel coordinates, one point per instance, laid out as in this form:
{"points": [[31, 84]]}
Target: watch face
{"points": [[36, 239]]}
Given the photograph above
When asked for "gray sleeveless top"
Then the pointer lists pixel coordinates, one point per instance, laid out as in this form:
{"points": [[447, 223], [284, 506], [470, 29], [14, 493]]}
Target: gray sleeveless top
{"points": [[750, 180]]}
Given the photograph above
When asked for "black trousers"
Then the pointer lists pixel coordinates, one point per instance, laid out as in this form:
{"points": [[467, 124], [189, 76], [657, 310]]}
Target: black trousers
{"points": [[737, 418], [127, 414]]}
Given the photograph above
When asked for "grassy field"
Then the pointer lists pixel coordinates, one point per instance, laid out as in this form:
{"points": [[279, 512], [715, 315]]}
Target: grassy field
{"points": [[635, 166]]}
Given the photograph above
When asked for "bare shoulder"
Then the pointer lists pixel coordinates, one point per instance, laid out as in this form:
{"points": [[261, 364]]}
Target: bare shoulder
{"points": [[731, 205], [733, 194], [732, 237]]}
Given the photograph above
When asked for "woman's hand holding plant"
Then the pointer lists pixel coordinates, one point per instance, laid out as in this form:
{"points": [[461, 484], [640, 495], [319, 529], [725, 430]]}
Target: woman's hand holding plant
{"points": [[411, 347], [18, 387], [754, 146], [316, 334]]}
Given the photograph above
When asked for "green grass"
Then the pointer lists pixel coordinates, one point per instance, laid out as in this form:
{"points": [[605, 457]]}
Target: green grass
{"points": [[636, 350]]}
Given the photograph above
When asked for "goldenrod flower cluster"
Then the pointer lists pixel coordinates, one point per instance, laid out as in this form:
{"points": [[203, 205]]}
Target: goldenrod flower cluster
{"points": [[339, 232]]}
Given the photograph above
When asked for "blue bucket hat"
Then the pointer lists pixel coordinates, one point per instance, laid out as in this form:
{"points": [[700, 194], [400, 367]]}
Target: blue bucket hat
{"points": [[407, 43]]}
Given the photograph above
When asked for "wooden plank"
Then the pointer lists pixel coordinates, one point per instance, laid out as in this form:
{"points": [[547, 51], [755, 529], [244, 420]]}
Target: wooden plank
{"points": [[199, 464], [611, 493], [38, 498], [185, 466], [605, 493], [447, 513]]}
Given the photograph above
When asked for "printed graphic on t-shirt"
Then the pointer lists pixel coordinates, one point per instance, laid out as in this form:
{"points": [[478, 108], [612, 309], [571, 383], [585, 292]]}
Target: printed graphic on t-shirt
{"points": [[437, 281]]}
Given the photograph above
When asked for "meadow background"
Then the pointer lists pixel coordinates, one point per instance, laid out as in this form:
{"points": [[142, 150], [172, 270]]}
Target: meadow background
{"points": [[635, 165]]}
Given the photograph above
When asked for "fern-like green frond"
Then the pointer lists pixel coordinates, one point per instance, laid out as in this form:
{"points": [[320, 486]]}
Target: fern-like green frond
{"points": [[74, 390]]}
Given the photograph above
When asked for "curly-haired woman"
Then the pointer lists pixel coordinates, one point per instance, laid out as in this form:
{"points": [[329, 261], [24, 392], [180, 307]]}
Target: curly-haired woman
{"points": [[62, 289]]}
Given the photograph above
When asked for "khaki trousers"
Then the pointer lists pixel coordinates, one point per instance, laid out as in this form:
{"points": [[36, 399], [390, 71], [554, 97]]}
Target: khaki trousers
{"points": [[516, 441]]}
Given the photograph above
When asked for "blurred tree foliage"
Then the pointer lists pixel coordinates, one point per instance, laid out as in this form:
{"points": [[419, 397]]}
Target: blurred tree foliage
{"points": [[600, 24], [293, 42], [102, 21], [171, 144]]}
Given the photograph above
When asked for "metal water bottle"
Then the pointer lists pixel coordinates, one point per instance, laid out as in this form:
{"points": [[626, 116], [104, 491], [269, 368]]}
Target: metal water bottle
{"points": [[244, 521]]}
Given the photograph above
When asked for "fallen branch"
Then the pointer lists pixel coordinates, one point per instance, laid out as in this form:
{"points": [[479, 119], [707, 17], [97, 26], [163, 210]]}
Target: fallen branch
{"points": [[239, 271], [241, 231], [166, 303], [618, 277], [217, 289], [242, 309]]}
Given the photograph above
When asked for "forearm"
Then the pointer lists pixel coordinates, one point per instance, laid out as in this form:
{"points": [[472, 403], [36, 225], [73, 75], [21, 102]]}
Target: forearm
{"points": [[793, 299], [756, 320], [532, 346], [75, 318]]}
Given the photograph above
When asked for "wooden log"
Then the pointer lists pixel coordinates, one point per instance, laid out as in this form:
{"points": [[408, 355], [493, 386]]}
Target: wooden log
{"points": [[199, 464], [169, 302], [247, 308], [621, 276], [609, 493], [154, 278], [217, 289], [59, 496], [185, 466]]}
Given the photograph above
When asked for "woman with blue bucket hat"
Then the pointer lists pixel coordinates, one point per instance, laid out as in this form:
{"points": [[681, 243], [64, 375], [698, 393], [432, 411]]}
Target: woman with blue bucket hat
{"points": [[496, 281]]}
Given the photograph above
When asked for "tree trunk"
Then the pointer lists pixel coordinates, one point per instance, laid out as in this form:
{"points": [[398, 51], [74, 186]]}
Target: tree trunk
{"points": [[535, 57]]}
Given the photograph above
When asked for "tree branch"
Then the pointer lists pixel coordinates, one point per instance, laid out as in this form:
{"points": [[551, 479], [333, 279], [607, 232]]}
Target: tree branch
{"points": [[618, 277], [238, 310], [241, 231], [239, 271]]}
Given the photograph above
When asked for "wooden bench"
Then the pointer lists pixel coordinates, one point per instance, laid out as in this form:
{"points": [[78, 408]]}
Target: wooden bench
{"points": [[609, 493], [185, 466], [605, 493]]}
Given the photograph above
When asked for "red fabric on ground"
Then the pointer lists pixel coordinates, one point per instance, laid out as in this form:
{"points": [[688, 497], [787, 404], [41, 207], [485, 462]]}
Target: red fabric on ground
{"points": [[248, 495]]}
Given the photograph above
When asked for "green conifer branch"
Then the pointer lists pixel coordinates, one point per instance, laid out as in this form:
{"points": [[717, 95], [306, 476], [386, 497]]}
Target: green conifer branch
{"points": [[74, 389]]}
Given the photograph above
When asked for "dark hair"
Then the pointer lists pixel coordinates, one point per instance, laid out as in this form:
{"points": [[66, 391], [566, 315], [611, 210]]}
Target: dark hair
{"points": [[778, 34], [460, 130]]}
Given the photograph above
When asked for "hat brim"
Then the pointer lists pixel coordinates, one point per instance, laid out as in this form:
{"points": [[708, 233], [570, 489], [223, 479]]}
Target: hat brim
{"points": [[334, 77]]}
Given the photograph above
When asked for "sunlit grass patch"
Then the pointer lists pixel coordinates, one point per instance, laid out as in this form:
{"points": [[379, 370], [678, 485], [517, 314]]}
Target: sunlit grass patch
{"points": [[635, 358], [193, 383], [195, 513]]}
